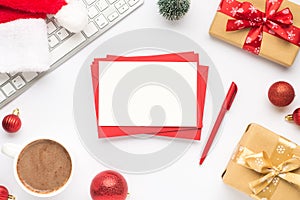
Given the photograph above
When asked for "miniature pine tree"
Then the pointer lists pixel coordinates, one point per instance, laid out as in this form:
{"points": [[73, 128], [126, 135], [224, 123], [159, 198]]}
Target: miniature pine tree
{"points": [[173, 9]]}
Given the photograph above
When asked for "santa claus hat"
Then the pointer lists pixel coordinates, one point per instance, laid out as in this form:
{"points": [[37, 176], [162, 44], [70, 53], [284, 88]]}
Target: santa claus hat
{"points": [[23, 31], [70, 14]]}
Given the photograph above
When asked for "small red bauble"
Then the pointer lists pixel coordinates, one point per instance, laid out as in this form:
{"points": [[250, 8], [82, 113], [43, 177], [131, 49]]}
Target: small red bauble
{"points": [[109, 185], [12, 123], [294, 117], [281, 94], [4, 195]]}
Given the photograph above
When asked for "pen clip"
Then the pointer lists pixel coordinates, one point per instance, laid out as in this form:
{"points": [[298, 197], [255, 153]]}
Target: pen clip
{"points": [[230, 95]]}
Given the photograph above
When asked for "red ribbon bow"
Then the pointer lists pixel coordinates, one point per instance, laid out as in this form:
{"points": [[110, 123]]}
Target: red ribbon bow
{"points": [[277, 23]]}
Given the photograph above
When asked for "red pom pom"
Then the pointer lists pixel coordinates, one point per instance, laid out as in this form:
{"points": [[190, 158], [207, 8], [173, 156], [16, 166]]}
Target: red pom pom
{"points": [[281, 94], [109, 185]]}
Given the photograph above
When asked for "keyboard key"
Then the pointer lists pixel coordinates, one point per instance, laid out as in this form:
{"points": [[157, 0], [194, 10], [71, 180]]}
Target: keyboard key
{"points": [[90, 29], [102, 5], [51, 27], [53, 41], [90, 1], [112, 1], [65, 47], [2, 96], [3, 78], [92, 12], [18, 82], [62, 34], [113, 16], [123, 9], [28, 76], [12, 74], [132, 2], [119, 4], [101, 21], [8, 89]]}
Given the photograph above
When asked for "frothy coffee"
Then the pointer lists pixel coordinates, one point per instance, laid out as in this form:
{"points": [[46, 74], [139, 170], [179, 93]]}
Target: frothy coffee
{"points": [[44, 166]]}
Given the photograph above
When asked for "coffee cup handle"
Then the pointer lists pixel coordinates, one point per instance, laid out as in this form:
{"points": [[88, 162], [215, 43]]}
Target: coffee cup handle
{"points": [[10, 149]]}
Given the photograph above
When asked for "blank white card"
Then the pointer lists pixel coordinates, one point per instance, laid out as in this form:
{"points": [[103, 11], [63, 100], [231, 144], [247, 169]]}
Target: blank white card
{"points": [[147, 93]]}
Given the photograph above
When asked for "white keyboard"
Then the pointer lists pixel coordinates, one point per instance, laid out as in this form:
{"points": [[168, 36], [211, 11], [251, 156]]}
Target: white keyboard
{"points": [[103, 14]]}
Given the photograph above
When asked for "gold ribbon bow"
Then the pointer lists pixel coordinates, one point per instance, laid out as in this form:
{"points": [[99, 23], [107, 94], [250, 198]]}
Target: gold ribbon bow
{"points": [[262, 163]]}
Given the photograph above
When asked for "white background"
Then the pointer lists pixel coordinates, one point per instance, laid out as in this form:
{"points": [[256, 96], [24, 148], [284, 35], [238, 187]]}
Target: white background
{"points": [[46, 111]]}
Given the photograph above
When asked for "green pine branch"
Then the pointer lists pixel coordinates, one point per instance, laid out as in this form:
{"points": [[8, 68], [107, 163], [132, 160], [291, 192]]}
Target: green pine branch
{"points": [[173, 9]]}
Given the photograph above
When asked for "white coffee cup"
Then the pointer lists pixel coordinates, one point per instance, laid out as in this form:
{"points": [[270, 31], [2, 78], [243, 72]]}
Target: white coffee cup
{"points": [[14, 151]]}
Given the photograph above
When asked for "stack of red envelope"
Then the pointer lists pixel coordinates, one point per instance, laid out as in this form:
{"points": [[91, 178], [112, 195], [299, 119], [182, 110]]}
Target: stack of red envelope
{"points": [[115, 66]]}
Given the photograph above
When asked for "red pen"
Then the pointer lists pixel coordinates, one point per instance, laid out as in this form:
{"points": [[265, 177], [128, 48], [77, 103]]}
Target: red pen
{"points": [[225, 107]]}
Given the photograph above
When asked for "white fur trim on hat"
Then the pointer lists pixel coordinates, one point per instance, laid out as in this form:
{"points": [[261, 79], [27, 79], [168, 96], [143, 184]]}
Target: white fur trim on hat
{"points": [[73, 16], [24, 46]]}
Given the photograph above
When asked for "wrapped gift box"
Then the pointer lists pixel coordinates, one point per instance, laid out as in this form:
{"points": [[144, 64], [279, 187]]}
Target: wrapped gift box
{"points": [[272, 47], [265, 166]]}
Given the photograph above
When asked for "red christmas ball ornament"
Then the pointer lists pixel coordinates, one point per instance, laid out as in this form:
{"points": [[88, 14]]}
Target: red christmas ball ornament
{"points": [[108, 185], [4, 195], [281, 94], [12, 123], [294, 117]]}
